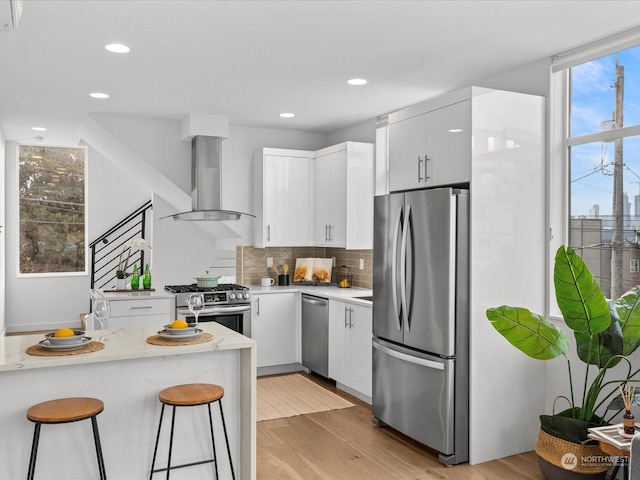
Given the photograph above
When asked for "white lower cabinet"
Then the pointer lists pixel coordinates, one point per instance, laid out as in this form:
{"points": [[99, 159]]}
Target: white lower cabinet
{"points": [[143, 311], [274, 328], [350, 356]]}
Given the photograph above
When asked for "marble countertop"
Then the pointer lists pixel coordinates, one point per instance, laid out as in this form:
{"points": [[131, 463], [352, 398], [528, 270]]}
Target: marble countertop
{"points": [[121, 344], [330, 292]]}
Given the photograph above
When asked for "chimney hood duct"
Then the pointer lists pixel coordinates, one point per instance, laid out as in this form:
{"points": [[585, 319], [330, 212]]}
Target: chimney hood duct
{"points": [[206, 183]]}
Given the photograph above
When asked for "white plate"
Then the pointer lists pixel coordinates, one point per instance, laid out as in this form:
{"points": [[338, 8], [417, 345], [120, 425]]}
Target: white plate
{"points": [[65, 348], [626, 435], [173, 336]]}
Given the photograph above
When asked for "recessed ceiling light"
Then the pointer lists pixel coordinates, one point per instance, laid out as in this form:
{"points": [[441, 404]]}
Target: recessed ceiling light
{"points": [[39, 129], [98, 95], [287, 115], [357, 81], [454, 130], [117, 48]]}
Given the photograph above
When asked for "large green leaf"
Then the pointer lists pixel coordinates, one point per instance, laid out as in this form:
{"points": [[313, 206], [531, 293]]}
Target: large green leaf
{"points": [[628, 309], [599, 349], [529, 332], [579, 296]]}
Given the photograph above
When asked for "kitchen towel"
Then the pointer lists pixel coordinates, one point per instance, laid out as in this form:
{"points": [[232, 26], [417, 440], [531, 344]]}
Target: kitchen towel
{"points": [[291, 395]]}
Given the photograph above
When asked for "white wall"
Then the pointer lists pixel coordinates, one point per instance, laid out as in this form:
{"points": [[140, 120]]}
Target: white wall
{"points": [[2, 236], [35, 303], [181, 250]]}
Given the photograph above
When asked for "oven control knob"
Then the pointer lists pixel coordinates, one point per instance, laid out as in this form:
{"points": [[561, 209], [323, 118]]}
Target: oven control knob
{"points": [[232, 296], [246, 296]]}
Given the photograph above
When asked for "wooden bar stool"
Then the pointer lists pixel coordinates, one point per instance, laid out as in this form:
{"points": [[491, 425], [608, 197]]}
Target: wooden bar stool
{"points": [[65, 410], [191, 395]]}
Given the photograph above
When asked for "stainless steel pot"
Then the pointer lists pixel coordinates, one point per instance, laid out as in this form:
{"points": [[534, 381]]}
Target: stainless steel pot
{"points": [[207, 280]]}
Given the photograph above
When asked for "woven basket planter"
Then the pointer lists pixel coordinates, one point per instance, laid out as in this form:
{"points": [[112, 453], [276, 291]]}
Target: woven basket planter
{"points": [[575, 458]]}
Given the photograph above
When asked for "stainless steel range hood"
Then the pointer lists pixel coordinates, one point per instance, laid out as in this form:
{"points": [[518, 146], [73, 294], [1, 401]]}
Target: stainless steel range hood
{"points": [[206, 183]]}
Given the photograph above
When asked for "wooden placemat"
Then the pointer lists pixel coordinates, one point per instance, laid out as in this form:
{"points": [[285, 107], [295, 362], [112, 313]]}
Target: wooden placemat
{"points": [[39, 350], [158, 340]]}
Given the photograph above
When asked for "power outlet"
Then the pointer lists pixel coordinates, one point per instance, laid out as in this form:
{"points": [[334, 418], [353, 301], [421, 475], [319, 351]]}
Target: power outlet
{"points": [[362, 264], [269, 262]]}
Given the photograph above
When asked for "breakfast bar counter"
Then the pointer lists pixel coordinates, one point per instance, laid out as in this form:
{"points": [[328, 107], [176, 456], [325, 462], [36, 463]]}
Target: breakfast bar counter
{"points": [[127, 375]]}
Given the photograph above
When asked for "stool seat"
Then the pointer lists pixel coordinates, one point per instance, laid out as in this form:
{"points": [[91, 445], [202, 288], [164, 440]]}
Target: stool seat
{"points": [[191, 394], [65, 410]]}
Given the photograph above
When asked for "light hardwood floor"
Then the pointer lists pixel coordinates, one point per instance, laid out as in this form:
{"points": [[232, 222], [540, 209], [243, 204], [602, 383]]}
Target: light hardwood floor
{"points": [[344, 445]]}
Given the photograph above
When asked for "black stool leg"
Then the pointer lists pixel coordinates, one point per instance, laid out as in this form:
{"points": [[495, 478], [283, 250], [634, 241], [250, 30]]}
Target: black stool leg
{"points": [[155, 450], [96, 439], [213, 442], [226, 438], [34, 451], [173, 421]]}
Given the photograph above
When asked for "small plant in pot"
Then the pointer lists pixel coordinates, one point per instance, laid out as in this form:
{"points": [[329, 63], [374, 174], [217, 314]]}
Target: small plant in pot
{"points": [[606, 332]]}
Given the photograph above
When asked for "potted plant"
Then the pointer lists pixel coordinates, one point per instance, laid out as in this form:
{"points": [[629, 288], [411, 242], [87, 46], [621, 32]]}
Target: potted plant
{"points": [[606, 332]]}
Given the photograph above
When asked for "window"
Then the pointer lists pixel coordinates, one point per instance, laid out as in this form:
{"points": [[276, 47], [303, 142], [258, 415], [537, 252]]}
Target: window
{"points": [[603, 159], [634, 265], [52, 211]]}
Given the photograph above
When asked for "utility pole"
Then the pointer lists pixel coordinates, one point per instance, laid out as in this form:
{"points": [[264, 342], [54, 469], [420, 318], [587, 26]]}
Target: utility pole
{"points": [[617, 238]]}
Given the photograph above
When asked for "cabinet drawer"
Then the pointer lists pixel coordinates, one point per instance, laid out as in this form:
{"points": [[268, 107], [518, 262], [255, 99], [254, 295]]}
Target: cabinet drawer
{"points": [[128, 308]]}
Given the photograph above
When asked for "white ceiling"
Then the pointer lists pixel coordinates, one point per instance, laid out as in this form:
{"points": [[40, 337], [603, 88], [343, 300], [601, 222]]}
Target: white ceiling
{"points": [[251, 60]]}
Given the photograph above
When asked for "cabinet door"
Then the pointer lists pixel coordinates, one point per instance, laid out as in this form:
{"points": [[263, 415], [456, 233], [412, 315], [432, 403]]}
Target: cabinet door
{"points": [[330, 199], [406, 154], [322, 193], [287, 200], [339, 362], [448, 147], [361, 351], [273, 328]]}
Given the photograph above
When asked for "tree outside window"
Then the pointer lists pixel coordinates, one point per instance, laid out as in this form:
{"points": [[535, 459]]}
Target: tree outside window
{"points": [[52, 209], [604, 153]]}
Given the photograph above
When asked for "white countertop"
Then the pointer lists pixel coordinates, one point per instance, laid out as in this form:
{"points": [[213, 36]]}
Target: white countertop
{"points": [[122, 344], [330, 292]]}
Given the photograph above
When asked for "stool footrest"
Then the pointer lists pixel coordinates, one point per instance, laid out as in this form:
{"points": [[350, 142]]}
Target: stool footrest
{"points": [[192, 464]]}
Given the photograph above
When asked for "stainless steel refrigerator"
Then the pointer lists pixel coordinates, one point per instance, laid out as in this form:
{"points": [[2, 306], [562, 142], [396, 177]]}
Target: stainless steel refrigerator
{"points": [[421, 318]]}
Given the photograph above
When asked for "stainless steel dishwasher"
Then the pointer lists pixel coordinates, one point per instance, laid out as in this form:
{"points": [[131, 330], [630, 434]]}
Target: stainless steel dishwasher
{"points": [[315, 334]]}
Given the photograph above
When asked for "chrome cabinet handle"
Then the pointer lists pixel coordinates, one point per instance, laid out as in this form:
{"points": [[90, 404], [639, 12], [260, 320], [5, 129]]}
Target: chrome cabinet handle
{"points": [[426, 168], [142, 308], [419, 170], [351, 318], [268, 233], [330, 227], [258, 307], [346, 323]]}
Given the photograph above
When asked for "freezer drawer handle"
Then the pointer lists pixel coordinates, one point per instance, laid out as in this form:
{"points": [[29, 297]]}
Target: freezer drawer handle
{"points": [[408, 358]]}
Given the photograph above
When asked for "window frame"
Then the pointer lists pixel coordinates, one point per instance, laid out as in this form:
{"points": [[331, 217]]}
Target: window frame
{"points": [[85, 271], [558, 200]]}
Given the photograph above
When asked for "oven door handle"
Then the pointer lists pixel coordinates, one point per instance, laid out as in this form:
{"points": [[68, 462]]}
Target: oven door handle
{"points": [[220, 310]]}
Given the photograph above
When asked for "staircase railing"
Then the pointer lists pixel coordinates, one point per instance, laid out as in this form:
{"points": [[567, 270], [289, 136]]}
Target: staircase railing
{"points": [[107, 248]]}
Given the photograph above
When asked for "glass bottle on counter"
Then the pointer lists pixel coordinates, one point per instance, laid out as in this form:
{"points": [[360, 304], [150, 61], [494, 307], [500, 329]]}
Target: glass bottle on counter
{"points": [[146, 278], [135, 278]]}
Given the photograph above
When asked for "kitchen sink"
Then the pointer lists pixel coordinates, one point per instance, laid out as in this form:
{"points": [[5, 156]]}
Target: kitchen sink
{"points": [[368, 299]]}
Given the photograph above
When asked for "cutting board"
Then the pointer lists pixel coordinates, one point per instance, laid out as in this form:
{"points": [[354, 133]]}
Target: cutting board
{"points": [[313, 270]]}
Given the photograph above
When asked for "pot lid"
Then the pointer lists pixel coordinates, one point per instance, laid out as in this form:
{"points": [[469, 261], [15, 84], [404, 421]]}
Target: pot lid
{"points": [[207, 276]]}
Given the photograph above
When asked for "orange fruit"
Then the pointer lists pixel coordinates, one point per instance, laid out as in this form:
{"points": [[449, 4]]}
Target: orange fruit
{"points": [[64, 332], [178, 324]]}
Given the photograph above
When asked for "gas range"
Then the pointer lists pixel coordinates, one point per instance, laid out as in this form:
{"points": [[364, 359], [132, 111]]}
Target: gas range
{"points": [[223, 294]]}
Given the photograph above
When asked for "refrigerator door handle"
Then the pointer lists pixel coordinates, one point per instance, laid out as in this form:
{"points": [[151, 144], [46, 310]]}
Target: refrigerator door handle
{"points": [[394, 268], [403, 268], [409, 358]]}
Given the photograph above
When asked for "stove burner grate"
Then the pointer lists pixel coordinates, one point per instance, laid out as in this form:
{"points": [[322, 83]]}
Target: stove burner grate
{"points": [[193, 288]]}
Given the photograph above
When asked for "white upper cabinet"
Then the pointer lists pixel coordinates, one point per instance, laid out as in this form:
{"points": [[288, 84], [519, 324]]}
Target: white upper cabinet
{"points": [[432, 147], [283, 191], [343, 196], [322, 198]]}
